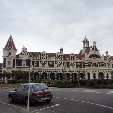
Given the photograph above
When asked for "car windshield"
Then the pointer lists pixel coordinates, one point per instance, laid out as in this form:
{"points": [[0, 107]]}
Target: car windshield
{"points": [[39, 87]]}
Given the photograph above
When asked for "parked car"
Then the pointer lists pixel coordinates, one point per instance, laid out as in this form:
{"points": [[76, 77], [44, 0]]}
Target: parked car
{"points": [[38, 92]]}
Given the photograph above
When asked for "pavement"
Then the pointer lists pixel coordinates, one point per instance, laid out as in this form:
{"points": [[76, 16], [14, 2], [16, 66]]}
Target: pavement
{"points": [[8, 108], [65, 100]]}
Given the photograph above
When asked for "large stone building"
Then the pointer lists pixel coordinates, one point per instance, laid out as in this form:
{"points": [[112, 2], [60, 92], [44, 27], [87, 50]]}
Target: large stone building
{"points": [[88, 64]]}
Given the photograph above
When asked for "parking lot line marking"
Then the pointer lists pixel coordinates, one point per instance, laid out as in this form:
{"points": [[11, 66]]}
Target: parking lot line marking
{"points": [[83, 101], [75, 90], [57, 104], [65, 98], [87, 102], [107, 93], [77, 100], [97, 92], [57, 97], [12, 105], [45, 108], [110, 107], [92, 103], [97, 104], [52, 106], [72, 99]]}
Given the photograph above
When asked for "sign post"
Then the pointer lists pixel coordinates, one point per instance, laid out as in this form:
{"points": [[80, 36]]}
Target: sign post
{"points": [[29, 86]]}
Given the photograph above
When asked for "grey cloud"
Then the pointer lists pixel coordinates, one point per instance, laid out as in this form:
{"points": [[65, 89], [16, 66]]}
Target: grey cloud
{"points": [[57, 23]]}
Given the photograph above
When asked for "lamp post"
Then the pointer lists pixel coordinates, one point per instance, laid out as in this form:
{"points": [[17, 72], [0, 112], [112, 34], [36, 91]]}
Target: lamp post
{"points": [[28, 92], [29, 85]]}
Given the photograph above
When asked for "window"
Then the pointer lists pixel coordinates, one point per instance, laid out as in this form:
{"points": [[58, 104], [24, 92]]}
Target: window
{"points": [[39, 87], [9, 62], [26, 87]]}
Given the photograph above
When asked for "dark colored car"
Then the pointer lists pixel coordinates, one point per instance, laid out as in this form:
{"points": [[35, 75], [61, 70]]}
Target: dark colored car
{"points": [[38, 92]]}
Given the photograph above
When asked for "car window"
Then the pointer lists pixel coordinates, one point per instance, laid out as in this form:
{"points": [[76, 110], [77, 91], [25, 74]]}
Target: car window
{"points": [[43, 86], [26, 87], [39, 87], [36, 87]]}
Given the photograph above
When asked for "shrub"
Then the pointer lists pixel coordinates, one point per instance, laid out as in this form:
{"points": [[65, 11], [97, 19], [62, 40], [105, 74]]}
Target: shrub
{"points": [[12, 81], [83, 82]]}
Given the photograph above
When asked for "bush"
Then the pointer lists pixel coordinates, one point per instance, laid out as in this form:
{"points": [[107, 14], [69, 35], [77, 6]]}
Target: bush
{"points": [[83, 82], [75, 82], [12, 81], [63, 84], [91, 83]]}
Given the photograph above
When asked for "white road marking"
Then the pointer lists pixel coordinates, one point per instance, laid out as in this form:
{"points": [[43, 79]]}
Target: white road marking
{"points": [[89, 91], [65, 98], [57, 97], [110, 107], [110, 92], [107, 93], [52, 106], [76, 100], [57, 104], [45, 108], [75, 90], [87, 102], [97, 104], [91, 103], [72, 99], [13, 105], [83, 101]]}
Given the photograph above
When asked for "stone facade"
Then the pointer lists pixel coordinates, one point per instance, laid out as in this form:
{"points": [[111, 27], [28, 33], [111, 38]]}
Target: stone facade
{"points": [[88, 64]]}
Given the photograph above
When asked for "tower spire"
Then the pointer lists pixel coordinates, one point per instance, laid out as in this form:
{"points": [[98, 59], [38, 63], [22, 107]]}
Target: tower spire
{"points": [[85, 42], [10, 44]]}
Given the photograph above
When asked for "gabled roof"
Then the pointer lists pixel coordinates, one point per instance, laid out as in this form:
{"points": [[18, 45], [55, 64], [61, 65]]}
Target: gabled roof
{"points": [[10, 44], [34, 54], [81, 56]]}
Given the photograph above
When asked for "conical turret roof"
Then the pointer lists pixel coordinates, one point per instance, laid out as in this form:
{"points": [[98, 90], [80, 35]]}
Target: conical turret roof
{"points": [[10, 44]]}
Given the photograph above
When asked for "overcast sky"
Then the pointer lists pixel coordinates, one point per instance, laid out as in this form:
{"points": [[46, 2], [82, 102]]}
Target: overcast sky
{"points": [[48, 25]]}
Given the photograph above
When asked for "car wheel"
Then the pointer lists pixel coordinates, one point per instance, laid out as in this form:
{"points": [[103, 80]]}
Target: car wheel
{"points": [[48, 101], [11, 99]]}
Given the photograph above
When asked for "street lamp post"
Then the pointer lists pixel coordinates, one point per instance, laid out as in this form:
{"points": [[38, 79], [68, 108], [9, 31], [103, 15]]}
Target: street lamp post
{"points": [[28, 92], [30, 68]]}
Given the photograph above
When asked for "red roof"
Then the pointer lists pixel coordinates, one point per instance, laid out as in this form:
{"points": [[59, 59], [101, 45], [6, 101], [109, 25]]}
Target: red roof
{"points": [[10, 44]]}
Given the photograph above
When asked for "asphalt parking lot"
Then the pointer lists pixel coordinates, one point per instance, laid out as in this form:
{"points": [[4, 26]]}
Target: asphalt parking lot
{"points": [[66, 100]]}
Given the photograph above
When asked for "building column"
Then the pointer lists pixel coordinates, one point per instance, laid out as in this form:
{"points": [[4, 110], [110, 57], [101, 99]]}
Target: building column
{"points": [[48, 75], [109, 74], [86, 75], [71, 76], [96, 74], [55, 76], [91, 75]]}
